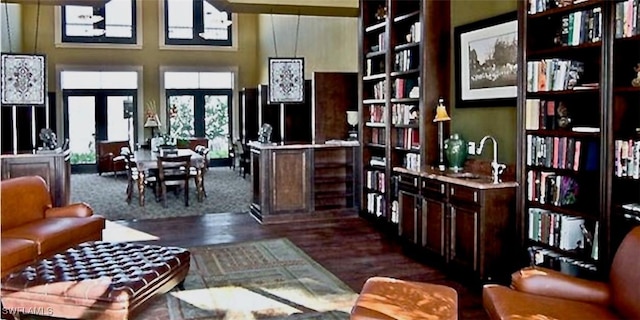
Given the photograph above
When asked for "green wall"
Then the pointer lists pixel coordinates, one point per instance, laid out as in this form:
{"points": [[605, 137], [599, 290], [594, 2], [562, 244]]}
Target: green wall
{"points": [[475, 123]]}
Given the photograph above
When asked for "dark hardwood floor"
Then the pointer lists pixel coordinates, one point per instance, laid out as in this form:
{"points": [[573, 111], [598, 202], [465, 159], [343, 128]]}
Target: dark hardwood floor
{"points": [[351, 248]]}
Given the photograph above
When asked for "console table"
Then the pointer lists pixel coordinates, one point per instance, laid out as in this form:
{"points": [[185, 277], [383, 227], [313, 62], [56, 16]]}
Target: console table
{"points": [[302, 182]]}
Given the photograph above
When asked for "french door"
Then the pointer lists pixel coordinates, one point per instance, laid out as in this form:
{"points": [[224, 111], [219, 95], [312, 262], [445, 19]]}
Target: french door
{"points": [[92, 115], [202, 113]]}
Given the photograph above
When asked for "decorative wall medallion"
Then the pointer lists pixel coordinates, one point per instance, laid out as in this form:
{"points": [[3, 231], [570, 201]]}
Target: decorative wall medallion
{"points": [[286, 80], [23, 80]]}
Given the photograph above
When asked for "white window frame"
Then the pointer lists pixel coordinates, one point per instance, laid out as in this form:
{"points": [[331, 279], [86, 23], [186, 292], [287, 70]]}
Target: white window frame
{"points": [[60, 44], [164, 46]]}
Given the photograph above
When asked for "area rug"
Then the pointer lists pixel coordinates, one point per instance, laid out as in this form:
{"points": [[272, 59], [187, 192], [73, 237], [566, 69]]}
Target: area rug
{"points": [[226, 192], [268, 279]]}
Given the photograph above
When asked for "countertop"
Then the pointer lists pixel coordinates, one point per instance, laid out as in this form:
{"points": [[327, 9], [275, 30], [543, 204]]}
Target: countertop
{"points": [[483, 182], [336, 144]]}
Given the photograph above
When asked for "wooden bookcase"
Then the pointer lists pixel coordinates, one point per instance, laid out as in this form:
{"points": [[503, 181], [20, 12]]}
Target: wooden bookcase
{"points": [[404, 70], [573, 128]]}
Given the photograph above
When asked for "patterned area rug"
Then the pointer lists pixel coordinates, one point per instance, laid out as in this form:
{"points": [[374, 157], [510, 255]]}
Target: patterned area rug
{"points": [[226, 192], [269, 279]]}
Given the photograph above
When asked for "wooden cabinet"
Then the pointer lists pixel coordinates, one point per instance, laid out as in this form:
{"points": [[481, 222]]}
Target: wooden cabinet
{"points": [[404, 70], [577, 103], [54, 168], [302, 182], [467, 225]]}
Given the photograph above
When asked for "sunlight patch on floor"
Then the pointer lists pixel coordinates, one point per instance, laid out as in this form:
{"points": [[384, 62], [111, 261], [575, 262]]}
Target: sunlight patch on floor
{"points": [[114, 232], [234, 302]]}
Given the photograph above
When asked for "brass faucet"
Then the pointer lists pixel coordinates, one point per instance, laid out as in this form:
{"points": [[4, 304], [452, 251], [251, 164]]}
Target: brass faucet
{"points": [[496, 168]]}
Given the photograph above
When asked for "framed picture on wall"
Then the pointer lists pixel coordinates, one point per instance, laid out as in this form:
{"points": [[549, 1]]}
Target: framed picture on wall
{"points": [[286, 80], [23, 80], [486, 54]]}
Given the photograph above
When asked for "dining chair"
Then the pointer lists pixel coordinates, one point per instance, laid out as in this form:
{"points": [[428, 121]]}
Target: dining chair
{"points": [[173, 171], [131, 170], [193, 171]]}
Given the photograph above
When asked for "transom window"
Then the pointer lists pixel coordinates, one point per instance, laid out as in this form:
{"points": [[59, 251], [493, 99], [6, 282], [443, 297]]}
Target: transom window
{"points": [[196, 22], [114, 22]]}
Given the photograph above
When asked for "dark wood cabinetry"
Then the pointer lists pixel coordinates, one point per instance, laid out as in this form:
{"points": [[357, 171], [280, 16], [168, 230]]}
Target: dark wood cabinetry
{"points": [[404, 70], [54, 168], [464, 224], [578, 123], [302, 182]]}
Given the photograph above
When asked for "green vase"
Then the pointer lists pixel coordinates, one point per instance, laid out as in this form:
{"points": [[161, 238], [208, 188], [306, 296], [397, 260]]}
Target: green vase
{"points": [[455, 149]]}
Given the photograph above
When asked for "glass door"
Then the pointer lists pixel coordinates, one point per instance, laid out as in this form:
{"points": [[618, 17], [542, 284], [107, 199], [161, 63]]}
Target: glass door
{"points": [[202, 113], [97, 115]]}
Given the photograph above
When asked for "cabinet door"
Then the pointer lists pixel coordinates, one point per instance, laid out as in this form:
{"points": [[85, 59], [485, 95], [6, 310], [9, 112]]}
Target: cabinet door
{"points": [[410, 221], [464, 236], [434, 226]]}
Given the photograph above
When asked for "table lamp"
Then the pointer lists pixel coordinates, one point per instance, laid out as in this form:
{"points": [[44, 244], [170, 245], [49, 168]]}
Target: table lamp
{"points": [[152, 122], [441, 116], [352, 120]]}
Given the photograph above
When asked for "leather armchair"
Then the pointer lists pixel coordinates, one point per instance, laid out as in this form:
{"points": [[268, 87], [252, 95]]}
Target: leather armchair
{"points": [[108, 156], [541, 293]]}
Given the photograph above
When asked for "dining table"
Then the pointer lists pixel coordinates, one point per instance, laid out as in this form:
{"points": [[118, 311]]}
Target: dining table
{"points": [[146, 159]]}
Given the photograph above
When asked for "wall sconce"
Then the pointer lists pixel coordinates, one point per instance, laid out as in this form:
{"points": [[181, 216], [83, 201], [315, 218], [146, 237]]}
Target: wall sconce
{"points": [[352, 120], [441, 116]]}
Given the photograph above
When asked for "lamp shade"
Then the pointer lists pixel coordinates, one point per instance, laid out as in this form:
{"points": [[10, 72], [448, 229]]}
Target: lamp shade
{"points": [[152, 122], [352, 117], [441, 112]]}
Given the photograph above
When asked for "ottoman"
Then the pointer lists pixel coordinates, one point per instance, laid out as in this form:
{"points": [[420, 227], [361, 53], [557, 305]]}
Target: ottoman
{"points": [[95, 280], [385, 298]]}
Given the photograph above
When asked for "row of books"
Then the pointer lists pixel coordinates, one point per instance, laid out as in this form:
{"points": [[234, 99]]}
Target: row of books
{"points": [[627, 158], [374, 180], [557, 230], [550, 188], [376, 204], [562, 153], [378, 135], [373, 66], [408, 138], [377, 113], [402, 88], [416, 31], [403, 113], [380, 90], [627, 18], [382, 43], [405, 60], [553, 74], [412, 161], [537, 6], [581, 27], [544, 114]]}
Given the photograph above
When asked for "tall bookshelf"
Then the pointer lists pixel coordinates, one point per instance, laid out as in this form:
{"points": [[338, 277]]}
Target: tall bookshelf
{"points": [[576, 111], [404, 70]]}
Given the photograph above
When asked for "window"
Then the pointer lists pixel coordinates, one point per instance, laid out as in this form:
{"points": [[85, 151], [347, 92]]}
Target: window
{"points": [[199, 23], [114, 22]]}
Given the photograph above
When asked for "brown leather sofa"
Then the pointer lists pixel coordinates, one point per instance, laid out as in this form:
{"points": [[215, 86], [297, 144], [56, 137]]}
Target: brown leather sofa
{"points": [[33, 228], [541, 293]]}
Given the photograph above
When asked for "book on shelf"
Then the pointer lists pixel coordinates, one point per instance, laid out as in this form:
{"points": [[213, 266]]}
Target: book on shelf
{"points": [[547, 187], [627, 158], [559, 152], [553, 74], [585, 129]]}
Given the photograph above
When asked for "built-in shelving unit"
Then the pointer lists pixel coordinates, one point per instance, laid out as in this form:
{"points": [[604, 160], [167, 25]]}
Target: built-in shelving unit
{"points": [[578, 164], [404, 69]]}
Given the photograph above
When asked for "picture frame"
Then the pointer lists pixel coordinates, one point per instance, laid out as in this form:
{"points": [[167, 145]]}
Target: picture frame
{"points": [[486, 62], [286, 80], [23, 80]]}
